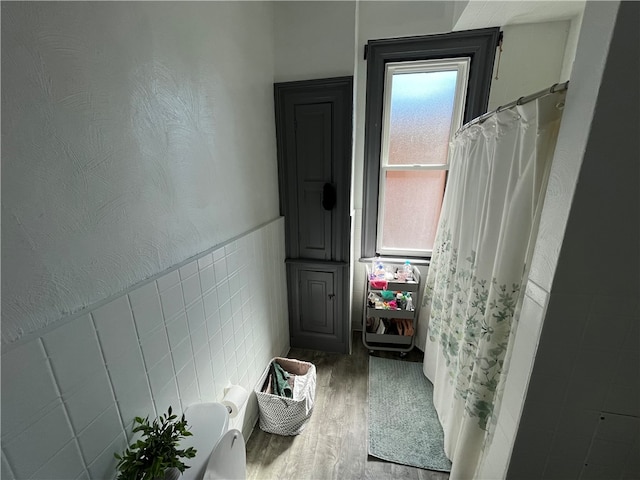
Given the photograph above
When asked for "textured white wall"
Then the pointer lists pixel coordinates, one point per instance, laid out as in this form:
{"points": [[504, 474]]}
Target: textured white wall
{"points": [[135, 135], [531, 60], [313, 39]]}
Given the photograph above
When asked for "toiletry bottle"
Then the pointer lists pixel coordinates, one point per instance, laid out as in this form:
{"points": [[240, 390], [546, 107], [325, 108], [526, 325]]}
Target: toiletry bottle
{"points": [[400, 301], [409, 305], [380, 273], [408, 271]]}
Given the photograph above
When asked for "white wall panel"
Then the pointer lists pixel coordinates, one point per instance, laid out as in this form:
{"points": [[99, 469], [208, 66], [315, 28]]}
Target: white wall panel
{"points": [[531, 60], [313, 39]]}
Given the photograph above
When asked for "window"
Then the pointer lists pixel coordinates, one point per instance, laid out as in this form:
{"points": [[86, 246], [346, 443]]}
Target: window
{"points": [[419, 92], [422, 107]]}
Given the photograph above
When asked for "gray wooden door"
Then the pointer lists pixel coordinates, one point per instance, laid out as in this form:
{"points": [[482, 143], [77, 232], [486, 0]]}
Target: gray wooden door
{"points": [[313, 126]]}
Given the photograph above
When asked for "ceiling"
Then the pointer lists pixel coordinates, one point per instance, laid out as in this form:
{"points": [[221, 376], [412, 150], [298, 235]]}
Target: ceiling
{"points": [[497, 13]]}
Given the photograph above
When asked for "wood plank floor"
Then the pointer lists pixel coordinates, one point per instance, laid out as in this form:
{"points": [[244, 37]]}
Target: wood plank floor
{"points": [[334, 443]]}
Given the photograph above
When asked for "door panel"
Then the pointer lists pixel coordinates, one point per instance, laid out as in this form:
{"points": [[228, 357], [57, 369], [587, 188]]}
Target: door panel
{"points": [[312, 125], [313, 130], [316, 302]]}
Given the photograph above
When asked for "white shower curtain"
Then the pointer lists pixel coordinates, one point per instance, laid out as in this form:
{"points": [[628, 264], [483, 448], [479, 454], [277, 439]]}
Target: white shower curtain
{"points": [[497, 178]]}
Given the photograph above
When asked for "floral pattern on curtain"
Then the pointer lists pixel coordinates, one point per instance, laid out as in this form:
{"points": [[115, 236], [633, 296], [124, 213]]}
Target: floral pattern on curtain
{"points": [[475, 343]]}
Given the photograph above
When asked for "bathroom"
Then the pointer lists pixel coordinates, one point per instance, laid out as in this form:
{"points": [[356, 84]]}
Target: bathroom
{"points": [[142, 242]]}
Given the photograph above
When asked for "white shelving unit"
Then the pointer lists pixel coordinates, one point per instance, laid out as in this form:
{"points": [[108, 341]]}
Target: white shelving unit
{"points": [[391, 341]]}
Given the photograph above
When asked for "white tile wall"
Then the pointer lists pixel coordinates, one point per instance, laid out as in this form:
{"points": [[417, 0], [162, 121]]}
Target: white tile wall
{"points": [[172, 302], [145, 304], [155, 347], [74, 353], [99, 434], [94, 397], [69, 397], [31, 394], [67, 463], [32, 448], [5, 471], [168, 280]]}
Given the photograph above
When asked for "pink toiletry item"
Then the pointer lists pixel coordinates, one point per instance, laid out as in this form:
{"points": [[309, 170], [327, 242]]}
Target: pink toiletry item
{"points": [[378, 284]]}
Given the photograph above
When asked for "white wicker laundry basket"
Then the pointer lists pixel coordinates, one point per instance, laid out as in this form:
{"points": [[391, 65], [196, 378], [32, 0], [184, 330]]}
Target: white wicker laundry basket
{"points": [[288, 416]]}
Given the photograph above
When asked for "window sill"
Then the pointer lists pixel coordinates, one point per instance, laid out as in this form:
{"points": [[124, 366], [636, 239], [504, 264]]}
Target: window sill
{"points": [[390, 259]]}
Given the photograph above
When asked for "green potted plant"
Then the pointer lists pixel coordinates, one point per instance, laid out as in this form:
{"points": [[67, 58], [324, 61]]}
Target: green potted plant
{"points": [[156, 454]]}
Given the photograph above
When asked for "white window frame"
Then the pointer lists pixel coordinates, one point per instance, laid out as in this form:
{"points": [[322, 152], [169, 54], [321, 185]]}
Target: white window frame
{"points": [[459, 64]]}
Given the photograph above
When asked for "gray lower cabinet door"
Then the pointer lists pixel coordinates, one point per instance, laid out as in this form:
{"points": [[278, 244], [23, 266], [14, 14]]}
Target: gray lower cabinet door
{"points": [[317, 314]]}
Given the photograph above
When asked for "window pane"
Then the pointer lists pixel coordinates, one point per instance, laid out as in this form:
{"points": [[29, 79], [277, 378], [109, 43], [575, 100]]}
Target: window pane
{"points": [[420, 117], [412, 202]]}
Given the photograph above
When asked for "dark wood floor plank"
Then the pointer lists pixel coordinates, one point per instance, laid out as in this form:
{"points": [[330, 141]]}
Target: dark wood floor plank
{"points": [[334, 444]]}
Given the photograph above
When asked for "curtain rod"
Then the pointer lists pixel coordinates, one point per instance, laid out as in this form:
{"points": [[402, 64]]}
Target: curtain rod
{"points": [[556, 87]]}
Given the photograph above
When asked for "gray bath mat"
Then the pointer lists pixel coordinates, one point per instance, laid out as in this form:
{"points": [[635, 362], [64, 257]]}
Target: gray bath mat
{"points": [[403, 423]]}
